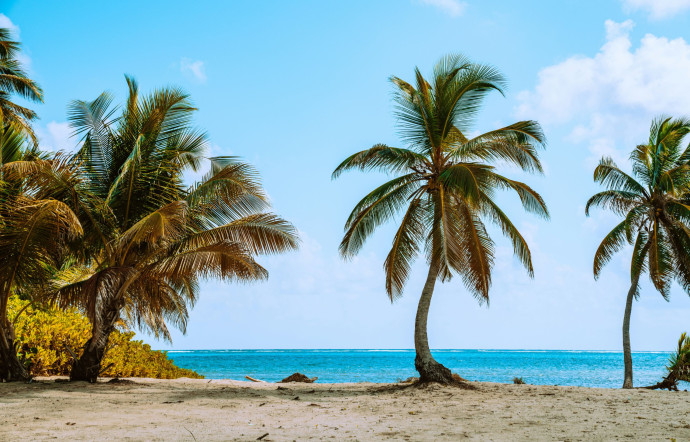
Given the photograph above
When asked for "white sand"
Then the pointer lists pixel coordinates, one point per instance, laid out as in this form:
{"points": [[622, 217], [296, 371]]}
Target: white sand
{"points": [[185, 409]]}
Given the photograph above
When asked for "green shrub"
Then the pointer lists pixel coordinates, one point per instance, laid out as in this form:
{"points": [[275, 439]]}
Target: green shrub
{"points": [[43, 335]]}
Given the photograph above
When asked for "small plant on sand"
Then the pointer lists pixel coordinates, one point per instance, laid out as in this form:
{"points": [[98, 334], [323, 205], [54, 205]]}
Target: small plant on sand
{"points": [[445, 189], [518, 381], [654, 203], [678, 368]]}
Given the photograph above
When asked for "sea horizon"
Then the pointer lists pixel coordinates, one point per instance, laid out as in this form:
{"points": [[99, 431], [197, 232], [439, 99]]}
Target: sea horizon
{"points": [[181, 350], [583, 368]]}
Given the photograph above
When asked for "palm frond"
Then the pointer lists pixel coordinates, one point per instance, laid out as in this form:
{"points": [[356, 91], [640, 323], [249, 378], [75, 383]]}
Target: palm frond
{"points": [[375, 209], [618, 201], [520, 247], [531, 200], [612, 243], [515, 144], [660, 265], [381, 157], [610, 176], [406, 244]]}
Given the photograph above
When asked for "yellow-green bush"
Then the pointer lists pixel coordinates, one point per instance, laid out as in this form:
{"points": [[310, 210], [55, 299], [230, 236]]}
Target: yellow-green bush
{"points": [[45, 333]]}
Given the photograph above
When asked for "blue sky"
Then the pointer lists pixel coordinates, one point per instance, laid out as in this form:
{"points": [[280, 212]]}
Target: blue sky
{"points": [[295, 87]]}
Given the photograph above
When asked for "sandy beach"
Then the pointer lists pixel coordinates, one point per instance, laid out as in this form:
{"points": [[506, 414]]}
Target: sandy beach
{"points": [[185, 409]]}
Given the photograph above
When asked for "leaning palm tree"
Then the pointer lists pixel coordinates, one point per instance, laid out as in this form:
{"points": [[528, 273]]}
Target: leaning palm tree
{"points": [[14, 81], [150, 238], [447, 188], [33, 234], [655, 205]]}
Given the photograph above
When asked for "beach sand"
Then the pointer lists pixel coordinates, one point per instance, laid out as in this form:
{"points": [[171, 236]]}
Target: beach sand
{"points": [[186, 409]]}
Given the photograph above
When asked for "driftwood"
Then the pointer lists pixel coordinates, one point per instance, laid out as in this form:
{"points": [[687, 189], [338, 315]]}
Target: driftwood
{"points": [[298, 377], [253, 380]]}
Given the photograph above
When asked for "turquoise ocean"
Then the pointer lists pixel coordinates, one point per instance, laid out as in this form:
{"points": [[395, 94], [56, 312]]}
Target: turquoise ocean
{"points": [[539, 367]]}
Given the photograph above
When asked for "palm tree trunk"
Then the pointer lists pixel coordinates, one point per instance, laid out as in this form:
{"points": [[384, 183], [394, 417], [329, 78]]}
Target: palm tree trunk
{"points": [[88, 366], [10, 367], [627, 355], [429, 370]]}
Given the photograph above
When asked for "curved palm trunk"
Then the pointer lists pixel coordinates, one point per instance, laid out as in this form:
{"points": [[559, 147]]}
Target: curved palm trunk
{"points": [[88, 366], [10, 367], [627, 355], [668, 383], [429, 370]]}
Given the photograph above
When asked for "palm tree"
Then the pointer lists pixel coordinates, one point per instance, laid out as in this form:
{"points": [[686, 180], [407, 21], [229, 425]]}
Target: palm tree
{"points": [[33, 232], [14, 80], [447, 188], [655, 204], [150, 238]]}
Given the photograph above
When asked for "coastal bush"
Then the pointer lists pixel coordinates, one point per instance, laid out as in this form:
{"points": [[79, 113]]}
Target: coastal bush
{"points": [[46, 336], [678, 368], [518, 381]]}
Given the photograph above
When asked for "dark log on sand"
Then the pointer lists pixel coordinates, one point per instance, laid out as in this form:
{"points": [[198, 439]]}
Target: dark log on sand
{"points": [[298, 377]]}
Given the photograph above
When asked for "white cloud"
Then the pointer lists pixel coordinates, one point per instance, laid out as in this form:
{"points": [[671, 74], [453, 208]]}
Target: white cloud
{"points": [[454, 8], [611, 98], [55, 137], [5, 22], [658, 9], [194, 68]]}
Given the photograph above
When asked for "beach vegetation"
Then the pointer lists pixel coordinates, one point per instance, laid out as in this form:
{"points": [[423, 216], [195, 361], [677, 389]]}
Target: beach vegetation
{"points": [[445, 186], [151, 237], [34, 230], [678, 368], [48, 339]]}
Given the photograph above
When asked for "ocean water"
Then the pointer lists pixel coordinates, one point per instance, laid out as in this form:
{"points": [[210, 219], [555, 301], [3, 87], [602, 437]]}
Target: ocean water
{"points": [[547, 367]]}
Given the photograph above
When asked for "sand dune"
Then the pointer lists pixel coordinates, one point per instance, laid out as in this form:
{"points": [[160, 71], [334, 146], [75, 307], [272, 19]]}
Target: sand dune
{"points": [[184, 409]]}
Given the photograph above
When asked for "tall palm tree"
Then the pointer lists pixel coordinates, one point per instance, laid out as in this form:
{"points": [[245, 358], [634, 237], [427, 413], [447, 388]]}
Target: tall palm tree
{"points": [[14, 81], [33, 233], [150, 238], [655, 204], [446, 186]]}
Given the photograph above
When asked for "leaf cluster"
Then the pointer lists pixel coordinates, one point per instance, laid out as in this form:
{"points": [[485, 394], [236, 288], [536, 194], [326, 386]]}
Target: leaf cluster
{"points": [[654, 203], [14, 81], [446, 183], [152, 238]]}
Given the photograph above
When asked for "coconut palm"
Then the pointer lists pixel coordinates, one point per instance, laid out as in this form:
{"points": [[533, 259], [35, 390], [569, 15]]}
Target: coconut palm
{"points": [[33, 233], [151, 239], [655, 205], [446, 186], [14, 81]]}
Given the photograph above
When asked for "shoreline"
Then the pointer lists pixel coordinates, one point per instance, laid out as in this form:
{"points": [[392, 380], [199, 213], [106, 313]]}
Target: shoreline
{"points": [[203, 409]]}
